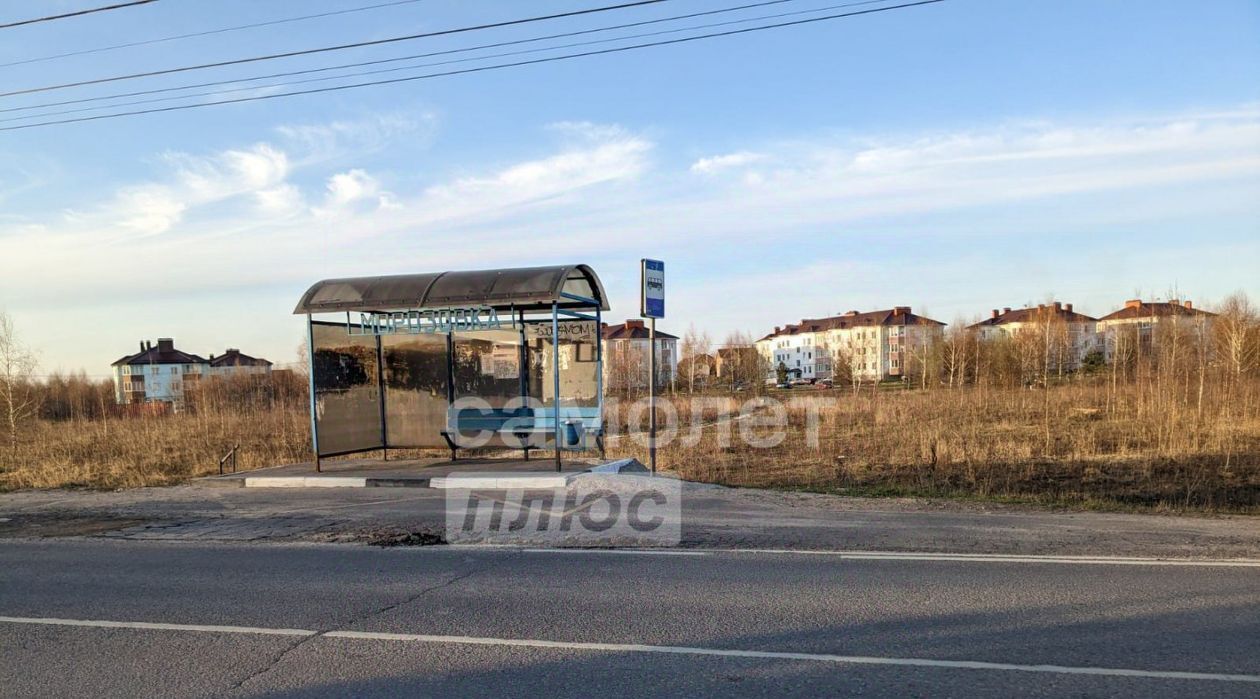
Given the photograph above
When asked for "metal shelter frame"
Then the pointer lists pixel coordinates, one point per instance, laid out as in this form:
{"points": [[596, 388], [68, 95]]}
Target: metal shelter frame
{"points": [[460, 302]]}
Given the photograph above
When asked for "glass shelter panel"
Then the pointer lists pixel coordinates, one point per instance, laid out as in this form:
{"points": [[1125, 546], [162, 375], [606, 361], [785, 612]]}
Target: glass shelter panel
{"points": [[347, 394], [416, 384], [487, 365], [579, 366]]}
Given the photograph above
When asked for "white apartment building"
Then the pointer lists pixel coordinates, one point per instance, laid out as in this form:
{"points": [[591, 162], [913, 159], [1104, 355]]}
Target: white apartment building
{"points": [[1143, 318], [794, 348], [164, 374], [1080, 330], [875, 345]]}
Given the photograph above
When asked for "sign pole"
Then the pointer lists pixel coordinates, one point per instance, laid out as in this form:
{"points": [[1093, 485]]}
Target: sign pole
{"points": [[652, 394], [652, 306]]}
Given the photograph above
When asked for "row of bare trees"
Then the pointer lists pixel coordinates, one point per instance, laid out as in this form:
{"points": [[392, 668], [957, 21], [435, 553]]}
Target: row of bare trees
{"points": [[18, 396], [75, 397]]}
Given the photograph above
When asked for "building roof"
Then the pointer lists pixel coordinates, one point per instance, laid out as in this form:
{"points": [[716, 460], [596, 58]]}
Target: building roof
{"points": [[1062, 311], [522, 288], [632, 330], [233, 357], [163, 353], [898, 315], [1137, 308]]}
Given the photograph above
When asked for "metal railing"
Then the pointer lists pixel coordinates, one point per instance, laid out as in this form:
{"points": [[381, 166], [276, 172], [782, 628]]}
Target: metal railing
{"points": [[230, 456]]}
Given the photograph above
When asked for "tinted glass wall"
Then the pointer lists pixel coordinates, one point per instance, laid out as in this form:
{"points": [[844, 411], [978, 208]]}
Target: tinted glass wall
{"points": [[347, 391], [416, 384]]}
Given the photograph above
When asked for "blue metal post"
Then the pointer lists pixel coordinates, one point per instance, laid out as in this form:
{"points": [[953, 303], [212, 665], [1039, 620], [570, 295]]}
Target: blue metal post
{"points": [[555, 370], [599, 368], [310, 354]]}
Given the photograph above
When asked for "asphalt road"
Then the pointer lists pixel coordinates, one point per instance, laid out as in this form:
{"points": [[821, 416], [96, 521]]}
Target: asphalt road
{"points": [[310, 620]]}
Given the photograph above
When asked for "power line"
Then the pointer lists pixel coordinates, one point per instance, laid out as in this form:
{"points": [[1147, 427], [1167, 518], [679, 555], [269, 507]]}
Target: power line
{"points": [[498, 44], [214, 93], [339, 47], [77, 13], [478, 69], [223, 30]]}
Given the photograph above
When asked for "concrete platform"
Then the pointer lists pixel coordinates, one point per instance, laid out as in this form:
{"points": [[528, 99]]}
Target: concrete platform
{"points": [[403, 473]]}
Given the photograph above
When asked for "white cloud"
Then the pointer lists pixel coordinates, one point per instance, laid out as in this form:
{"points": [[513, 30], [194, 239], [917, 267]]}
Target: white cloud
{"points": [[196, 181], [708, 166], [533, 182], [589, 131], [347, 187], [239, 218], [148, 210], [356, 137], [284, 200]]}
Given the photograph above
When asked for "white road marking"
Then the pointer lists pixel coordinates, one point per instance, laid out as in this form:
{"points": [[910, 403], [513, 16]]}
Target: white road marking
{"points": [[643, 648], [882, 556], [644, 552], [156, 626], [1010, 558], [781, 655]]}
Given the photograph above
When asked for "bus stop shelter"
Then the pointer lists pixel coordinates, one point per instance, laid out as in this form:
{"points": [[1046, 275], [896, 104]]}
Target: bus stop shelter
{"points": [[502, 358]]}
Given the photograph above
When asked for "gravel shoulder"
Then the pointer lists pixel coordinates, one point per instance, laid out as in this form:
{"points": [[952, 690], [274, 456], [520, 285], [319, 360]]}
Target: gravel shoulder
{"points": [[714, 517]]}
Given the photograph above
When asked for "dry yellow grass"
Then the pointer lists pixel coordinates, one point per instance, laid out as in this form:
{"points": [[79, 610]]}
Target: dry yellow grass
{"points": [[1076, 443], [1136, 443], [159, 450]]}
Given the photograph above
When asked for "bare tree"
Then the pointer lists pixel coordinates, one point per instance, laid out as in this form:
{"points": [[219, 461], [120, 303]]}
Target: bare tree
{"points": [[921, 357], [695, 348], [1237, 331], [626, 367], [740, 363], [18, 398], [957, 353]]}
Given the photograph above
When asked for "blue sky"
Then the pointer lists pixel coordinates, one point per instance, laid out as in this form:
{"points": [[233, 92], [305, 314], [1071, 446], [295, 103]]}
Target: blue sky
{"points": [[954, 157]]}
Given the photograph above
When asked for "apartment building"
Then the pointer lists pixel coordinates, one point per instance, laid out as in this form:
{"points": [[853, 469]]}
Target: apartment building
{"points": [[162, 373], [797, 348], [234, 363], [1142, 320], [626, 355], [1073, 334], [869, 346], [158, 373]]}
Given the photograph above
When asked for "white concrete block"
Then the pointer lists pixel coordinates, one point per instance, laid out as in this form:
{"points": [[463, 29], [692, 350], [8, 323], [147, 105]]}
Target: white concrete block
{"points": [[306, 482]]}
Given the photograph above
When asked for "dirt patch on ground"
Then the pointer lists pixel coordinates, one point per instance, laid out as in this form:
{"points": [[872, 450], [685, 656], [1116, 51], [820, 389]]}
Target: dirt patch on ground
{"points": [[386, 537], [53, 525]]}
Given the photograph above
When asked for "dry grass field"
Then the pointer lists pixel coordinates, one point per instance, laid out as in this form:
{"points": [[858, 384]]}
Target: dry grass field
{"points": [[1084, 444], [155, 450], [1075, 444], [1174, 427]]}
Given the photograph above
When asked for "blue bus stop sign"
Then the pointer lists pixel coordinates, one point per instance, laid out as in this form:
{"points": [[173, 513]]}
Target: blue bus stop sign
{"points": [[653, 305]]}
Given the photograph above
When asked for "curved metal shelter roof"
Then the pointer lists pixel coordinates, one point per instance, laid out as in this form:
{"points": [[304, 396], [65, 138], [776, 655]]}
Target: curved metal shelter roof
{"points": [[522, 288]]}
